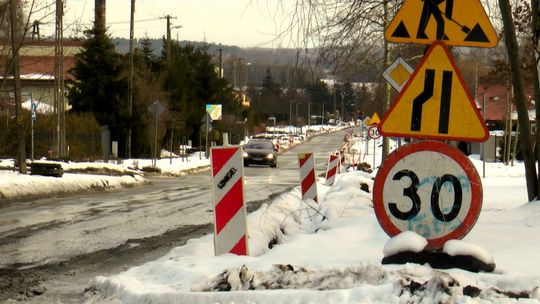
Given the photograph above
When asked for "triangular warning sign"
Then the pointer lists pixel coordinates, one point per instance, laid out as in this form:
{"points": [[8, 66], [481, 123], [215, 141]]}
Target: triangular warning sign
{"points": [[435, 103], [457, 22], [375, 120]]}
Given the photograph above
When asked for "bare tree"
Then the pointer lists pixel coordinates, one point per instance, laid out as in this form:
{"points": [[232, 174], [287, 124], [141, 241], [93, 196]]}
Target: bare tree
{"points": [[517, 77], [535, 27], [16, 14]]}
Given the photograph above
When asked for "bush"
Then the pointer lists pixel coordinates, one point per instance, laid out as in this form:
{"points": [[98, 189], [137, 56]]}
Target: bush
{"points": [[83, 136]]}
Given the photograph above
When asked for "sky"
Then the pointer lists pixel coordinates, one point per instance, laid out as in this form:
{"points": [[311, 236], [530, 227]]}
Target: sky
{"points": [[245, 23], [337, 259]]}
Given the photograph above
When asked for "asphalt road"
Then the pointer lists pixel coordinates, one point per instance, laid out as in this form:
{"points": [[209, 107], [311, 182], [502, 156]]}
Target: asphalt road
{"points": [[51, 247]]}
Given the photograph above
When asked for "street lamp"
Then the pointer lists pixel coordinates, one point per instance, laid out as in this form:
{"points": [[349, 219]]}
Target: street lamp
{"points": [[274, 129], [342, 109], [169, 39], [309, 114], [322, 114], [247, 75], [290, 111], [245, 129], [296, 117]]}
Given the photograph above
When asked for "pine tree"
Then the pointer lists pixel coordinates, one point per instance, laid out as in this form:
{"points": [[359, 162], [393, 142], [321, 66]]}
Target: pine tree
{"points": [[100, 86], [192, 82], [147, 54], [269, 86]]}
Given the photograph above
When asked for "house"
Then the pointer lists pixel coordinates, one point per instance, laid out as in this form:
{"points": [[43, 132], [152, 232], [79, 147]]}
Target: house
{"points": [[497, 99], [37, 67], [498, 103]]}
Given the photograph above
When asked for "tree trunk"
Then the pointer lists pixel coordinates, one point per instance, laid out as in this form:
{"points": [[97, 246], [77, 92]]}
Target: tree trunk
{"points": [[520, 100], [535, 8], [15, 46]]}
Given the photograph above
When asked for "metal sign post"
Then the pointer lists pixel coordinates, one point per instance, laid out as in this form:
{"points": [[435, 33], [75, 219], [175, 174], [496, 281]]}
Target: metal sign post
{"points": [[373, 133], [156, 109], [206, 147]]}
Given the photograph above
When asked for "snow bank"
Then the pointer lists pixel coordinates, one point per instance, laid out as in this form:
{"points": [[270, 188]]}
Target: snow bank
{"points": [[331, 252], [15, 185]]}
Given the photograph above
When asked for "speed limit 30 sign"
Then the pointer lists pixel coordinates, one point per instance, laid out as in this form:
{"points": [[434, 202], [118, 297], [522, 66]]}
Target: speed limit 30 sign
{"points": [[373, 132], [430, 188]]}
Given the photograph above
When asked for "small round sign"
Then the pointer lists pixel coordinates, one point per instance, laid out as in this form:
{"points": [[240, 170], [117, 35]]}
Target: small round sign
{"points": [[430, 188], [373, 132]]}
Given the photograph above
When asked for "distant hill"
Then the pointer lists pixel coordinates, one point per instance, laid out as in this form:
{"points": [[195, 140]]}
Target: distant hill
{"points": [[263, 56], [260, 59]]}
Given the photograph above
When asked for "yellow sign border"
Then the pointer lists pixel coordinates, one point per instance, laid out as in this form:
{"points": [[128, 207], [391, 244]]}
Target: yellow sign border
{"points": [[419, 134]]}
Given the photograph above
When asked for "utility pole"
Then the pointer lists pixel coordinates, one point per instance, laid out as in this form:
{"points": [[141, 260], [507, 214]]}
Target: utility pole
{"points": [[99, 17], [386, 104], [59, 82], [334, 96], [168, 37], [130, 88], [15, 45], [35, 30], [220, 62], [168, 45]]}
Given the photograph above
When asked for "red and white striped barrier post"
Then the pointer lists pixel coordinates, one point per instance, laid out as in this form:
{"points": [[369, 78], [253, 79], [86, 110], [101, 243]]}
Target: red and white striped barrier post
{"points": [[341, 154], [230, 224], [307, 176], [353, 161], [331, 169]]}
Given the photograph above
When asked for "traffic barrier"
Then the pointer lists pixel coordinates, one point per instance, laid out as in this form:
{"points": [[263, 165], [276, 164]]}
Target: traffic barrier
{"points": [[307, 176], [341, 159], [331, 169], [230, 222]]}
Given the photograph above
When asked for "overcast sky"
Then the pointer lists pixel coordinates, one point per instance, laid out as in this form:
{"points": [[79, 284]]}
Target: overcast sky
{"points": [[246, 23]]}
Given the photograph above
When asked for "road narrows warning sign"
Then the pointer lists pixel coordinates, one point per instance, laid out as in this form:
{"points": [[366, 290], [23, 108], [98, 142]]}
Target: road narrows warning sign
{"points": [[435, 103]]}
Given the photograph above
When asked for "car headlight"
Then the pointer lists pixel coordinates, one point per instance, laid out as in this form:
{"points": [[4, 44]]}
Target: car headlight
{"points": [[270, 156], [245, 154]]}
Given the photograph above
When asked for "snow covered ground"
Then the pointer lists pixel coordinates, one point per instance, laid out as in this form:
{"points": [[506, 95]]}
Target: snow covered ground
{"points": [[297, 256], [109, 175], [103, 176]]}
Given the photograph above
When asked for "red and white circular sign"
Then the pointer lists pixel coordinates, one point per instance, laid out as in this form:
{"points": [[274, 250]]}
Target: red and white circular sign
{"points": [[373, 132], [430, 188]]}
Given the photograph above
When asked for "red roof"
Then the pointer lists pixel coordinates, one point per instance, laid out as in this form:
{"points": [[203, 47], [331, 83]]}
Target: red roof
{"points": [[496, 98], [44, 65]]}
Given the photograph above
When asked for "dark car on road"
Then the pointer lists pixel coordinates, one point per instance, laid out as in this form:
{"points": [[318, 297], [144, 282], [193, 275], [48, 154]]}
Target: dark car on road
{"points": [[261, 152]]}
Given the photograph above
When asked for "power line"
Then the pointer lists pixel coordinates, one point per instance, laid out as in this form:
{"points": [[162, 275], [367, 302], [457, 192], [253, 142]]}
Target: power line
{"points": [[137, 21], [149, 9]]}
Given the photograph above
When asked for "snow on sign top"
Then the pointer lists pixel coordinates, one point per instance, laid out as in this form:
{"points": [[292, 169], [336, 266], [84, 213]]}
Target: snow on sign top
{"points": [[435, 103], [457, 22]]}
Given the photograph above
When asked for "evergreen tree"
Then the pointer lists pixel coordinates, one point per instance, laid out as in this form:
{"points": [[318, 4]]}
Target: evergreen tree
{"points": [[147, 54], [192, 82], [100, 86], [319, 93], [269, 86], [271, 101]]}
